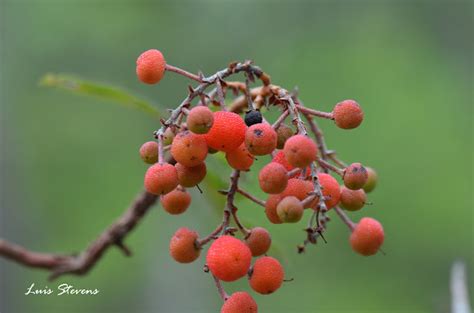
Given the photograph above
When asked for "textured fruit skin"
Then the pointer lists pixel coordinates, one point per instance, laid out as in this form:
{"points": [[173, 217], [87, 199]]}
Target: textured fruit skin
{"points": [[371, 180], [183, 245], [259, 241], [270, 209], [273, 178], [190, 176], [168, 136], [161, 179], [151, 66], [240, 302], [149, 152], [300, 151], [228, 258], [176, 201], [283, 133], [253, 117], [240, 158], [200, 120], [348, 114], [290, 210], [189, 149], [260, 139], [280, 159], [367, 237], [267, 275], [331, 189], [352, 200], [355, 176], [227, 132], [300, 189]]}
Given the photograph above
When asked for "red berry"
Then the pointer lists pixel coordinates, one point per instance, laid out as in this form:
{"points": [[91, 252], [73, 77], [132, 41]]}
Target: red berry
{"points": [[352, 200], [331, 189], [228, 258], [367, 237], [355, 176], [151, 66], [371, 180], [240, 302], [258, 241], [161, 179], [200, 120], [300, 189], [227, 132], [189, 149], [260, 139], [290, 210], [280, 159], [149, 152], [267, 275], [273, 178], [190, 176], [183, 247], [240, 158], [300, 151], [270, 209], [348, 114], [176, 201], [284, 132]]}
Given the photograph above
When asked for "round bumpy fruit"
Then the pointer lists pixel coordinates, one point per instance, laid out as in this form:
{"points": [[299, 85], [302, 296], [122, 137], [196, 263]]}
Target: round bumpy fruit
{"points": [[260, 139], [227, 132], [190, 176], [200, 120], [348, 114], [273, 178], [161, 179], [367, 237], [355, 176], [228, 258], [189, 149], [300, 151], [240, 158], [253, 117], [352, 200], [281, 159], [371, 180], [270, 209], [183, 247], [267, 275], [168, 136], [151, 66], [290, 210], [240, 302], [331, 189], [258, 241], [284, 132], [149, 152], [176, 201], [300, 189]]}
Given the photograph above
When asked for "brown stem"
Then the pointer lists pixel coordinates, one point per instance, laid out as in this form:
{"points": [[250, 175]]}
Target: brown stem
{"points": [[281, 119], [331, 167], [180, 71], [220, 288], [315, 112], [345, 218], [251, 197]]}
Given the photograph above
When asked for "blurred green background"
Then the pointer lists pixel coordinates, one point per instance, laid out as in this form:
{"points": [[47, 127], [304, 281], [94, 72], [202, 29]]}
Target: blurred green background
{"points": [[70, 166]]}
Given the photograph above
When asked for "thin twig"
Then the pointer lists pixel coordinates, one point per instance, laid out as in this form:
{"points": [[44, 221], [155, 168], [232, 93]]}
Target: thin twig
{"points": [[315, 112], [251, 197], [345, 218], [180, 71]]}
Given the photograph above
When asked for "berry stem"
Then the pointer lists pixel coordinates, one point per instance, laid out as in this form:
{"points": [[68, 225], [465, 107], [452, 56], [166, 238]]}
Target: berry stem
{"points": [[160, 148], [313, 112], [331, 167], [247, 92], [345, 218], [184, 73], [284, 96], [241, 227], [201, 242], [251, 197], [281, 119], [318, 134], [220, 288]]}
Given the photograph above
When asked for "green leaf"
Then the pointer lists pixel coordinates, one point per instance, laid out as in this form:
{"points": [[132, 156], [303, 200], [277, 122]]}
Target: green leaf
{"points": [[98, 90]]}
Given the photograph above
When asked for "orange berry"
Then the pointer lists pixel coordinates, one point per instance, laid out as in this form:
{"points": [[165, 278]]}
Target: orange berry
{"points": [[240, 158], [352, 200], [266, 275], [149, 152], [228, 258], [355, 176], [283, 133], [161, 179], [270, 209], [348, 114], [151, 66], [260, 139], [371, 180], [227, 132], [300, 189], [300, 151], [189, 149], [176, 201], [273, 178], [190, 176], [280, 159], [331, 189], [258, 241], [290, 210], [240, 302], [200, 119], [367, 237], [183, 247]]}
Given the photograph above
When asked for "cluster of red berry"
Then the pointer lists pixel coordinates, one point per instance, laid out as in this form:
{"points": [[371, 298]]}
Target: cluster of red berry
{"points": [[296, 178]]}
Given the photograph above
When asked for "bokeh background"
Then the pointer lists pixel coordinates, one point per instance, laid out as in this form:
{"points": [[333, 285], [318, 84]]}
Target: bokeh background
{"points": [[69, 163]]}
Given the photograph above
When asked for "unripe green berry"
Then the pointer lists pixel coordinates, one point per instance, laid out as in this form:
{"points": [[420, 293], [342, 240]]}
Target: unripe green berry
{"points": [[283, 133], [200, 120], [355, 176], [149, 152], [258, 241], [168, 136], [371, 180], [290, 210]]}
